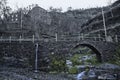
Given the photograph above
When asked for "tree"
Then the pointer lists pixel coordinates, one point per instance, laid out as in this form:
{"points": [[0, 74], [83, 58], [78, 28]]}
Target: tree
{"points": [[51, 9], [58, 63], [4, 9], [69, 9]]}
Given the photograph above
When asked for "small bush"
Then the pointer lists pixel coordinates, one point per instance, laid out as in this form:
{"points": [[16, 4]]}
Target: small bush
{"points": [[58, 64], [116, 59], [73, 70], [75, 60]]}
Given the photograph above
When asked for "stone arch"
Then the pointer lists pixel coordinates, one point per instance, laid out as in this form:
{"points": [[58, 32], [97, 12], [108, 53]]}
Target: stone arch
{"points": [[93, 48]]}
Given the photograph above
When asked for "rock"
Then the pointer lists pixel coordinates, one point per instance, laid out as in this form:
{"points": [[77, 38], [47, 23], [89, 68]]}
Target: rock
{"points": [[108, 66], [9, 73], [91, 74], [107, 76], [87, 75], [81, 75]]}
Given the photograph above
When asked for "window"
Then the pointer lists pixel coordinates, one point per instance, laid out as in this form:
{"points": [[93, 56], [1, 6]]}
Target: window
{"points": [[16, 19], [16, 15]]}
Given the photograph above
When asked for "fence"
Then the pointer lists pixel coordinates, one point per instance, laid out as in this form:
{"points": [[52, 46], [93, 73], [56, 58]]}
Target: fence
{"points": [[74, 37]]}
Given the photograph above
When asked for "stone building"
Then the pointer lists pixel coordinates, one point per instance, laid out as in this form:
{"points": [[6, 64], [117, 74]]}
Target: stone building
{"points": [[15, 25]]}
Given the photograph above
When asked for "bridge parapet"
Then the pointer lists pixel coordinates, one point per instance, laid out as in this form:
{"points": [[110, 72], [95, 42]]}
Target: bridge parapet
{"points": [[56, 38]]}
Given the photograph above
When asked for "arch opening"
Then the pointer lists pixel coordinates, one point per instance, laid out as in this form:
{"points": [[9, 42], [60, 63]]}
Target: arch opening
{"points": [[93, 49]]}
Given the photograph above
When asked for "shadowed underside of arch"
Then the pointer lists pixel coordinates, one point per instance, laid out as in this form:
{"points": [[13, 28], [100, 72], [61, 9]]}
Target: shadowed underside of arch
{"points": [[98, 54]]}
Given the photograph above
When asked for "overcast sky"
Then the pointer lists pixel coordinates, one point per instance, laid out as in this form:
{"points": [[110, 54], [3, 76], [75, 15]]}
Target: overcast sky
{"points": [[75, 4]]}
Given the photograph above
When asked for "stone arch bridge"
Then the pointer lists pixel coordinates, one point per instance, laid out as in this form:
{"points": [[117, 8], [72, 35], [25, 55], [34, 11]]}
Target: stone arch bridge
{"points": [[104, 50], [26, 47]]}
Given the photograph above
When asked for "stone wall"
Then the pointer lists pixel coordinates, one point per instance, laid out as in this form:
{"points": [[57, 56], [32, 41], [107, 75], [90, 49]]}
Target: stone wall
{"points": [[22, 54]]}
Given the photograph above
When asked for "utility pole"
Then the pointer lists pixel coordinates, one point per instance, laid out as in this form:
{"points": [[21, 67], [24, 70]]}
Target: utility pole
{"points": [[56, 37], [105, 29], [21, 19], [36, 58]]}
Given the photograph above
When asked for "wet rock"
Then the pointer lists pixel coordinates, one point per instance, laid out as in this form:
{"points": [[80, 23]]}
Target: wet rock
{"points": [[107, 76], [87, 75], [26, 74], [109, 66], [92, 74]]}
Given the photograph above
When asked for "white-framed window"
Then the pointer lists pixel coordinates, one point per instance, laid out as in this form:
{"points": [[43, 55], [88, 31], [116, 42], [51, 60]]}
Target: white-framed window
{"points": [[16, 15], [16, 19]]}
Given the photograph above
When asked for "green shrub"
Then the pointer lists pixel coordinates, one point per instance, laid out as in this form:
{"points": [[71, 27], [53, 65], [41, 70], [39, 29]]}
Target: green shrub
{"points": [[92, 61], [116, 58], [75, 59], [58, 64], [73, 70]]}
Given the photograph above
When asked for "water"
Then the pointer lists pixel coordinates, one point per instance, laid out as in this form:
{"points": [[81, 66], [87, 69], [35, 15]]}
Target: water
{"points": [[81, 75]]}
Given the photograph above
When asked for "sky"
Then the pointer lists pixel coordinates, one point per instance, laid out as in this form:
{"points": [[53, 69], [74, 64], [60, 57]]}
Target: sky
{"points": [[75, 4]]}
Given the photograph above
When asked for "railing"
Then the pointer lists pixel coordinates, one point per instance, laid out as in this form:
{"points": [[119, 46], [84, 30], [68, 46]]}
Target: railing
{"points": [[79, 38], [76, 37]]}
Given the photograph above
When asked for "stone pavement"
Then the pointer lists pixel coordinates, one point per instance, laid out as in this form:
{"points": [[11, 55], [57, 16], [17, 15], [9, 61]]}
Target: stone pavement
{"points": [[27, 74]]}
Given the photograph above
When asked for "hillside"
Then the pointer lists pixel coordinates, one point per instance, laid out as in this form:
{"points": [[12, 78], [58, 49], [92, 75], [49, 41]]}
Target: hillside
{"points": [[112, 22], [40, 22], [62, 23]]}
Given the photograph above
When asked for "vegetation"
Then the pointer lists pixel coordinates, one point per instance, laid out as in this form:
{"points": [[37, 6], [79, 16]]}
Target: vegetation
{"points": [[82, 52], [58, 64], [51, 9], [85, 57], [4, 9], [53, 20], [76, 60], [116, 58], [73, 70], [92, 61]]}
